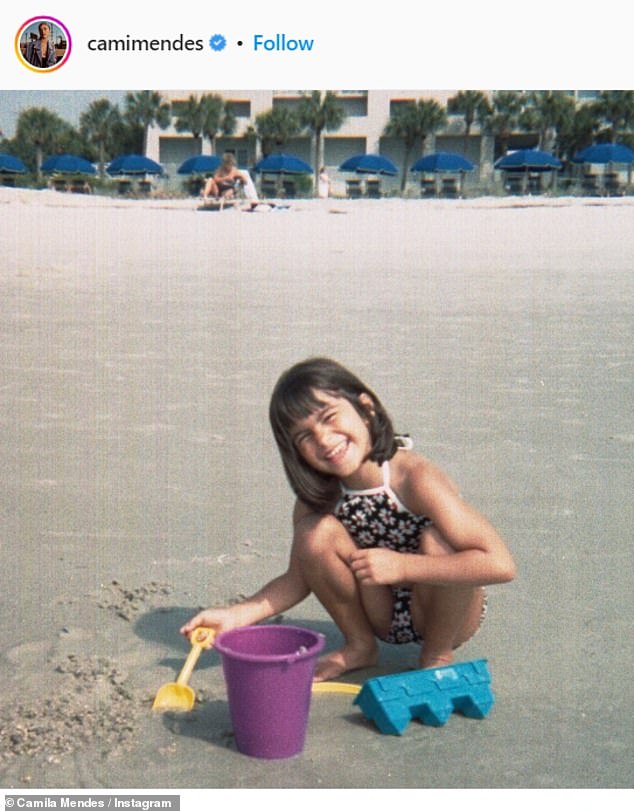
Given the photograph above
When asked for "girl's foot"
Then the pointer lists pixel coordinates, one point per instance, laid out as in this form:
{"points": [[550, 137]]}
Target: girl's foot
{"points": [[343, 661], [435, 660]]}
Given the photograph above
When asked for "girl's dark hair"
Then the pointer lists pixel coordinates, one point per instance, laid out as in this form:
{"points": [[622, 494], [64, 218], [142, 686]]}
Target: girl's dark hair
{"points": [[296, 396]]}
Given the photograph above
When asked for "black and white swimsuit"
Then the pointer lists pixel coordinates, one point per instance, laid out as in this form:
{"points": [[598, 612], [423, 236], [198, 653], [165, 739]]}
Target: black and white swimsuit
{"points": [[378, 518]]}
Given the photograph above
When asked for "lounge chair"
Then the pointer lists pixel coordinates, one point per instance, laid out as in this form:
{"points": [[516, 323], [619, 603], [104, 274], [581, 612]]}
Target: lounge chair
{"points": [[514, 183], [268, 187], [612, 185], [428, 187], [449, 187], [590, 185], [353, 188], [373, 188], [289, 188]]}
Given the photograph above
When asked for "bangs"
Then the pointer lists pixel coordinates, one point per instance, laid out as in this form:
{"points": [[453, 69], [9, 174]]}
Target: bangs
{"points": [[295, 403]]}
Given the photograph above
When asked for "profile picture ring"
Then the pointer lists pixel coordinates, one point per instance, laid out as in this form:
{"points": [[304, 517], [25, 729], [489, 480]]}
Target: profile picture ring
{"points": [[43, 44]]}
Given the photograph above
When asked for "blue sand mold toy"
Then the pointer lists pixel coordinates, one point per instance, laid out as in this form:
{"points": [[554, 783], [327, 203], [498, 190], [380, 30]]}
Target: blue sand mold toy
{"points": [[429, 695]]}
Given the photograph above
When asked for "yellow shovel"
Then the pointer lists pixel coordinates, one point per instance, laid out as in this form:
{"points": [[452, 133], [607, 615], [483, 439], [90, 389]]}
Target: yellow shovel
{"points": [[336, 687], [177, 695]]}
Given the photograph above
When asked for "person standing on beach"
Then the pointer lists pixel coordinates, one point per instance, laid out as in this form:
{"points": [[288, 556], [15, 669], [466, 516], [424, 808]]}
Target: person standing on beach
{"points": [[382, 536], [323, 185], [41, 52]]}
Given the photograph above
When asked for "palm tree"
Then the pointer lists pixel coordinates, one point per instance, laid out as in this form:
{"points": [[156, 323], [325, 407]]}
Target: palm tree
{"points": [[99, 125], [616, 108], [320, 112], [250, 140], [547, 112], [503, 119], [579, 131], [191, 117], [216, 117], [39, 131], [275, 128], [412, 122], [145, 108], [473, 105]]}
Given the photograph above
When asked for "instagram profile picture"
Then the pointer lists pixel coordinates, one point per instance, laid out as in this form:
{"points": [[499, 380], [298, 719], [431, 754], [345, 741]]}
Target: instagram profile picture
{"points": [[43, 44]]}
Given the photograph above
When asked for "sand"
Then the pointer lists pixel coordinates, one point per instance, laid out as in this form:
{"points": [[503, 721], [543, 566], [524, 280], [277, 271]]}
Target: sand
{"points": [[140, 342]]}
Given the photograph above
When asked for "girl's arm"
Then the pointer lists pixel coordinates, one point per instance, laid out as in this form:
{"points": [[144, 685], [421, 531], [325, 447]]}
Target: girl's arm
{"points": [[277, 596], [463, 547]]}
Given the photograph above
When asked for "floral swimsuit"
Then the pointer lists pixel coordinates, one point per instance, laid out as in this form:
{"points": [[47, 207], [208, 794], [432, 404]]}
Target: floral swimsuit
{"points": [[377, 518]]}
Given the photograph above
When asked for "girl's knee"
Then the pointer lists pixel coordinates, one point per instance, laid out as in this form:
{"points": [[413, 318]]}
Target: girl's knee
{"points": [[316, 536]]}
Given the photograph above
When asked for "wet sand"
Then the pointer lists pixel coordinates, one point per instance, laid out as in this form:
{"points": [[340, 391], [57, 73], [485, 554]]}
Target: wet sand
{"points": [[140, 342]]}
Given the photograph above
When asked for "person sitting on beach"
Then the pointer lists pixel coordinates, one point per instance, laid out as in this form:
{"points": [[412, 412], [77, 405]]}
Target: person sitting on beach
{"points": [[225, 181], [382, 536]]}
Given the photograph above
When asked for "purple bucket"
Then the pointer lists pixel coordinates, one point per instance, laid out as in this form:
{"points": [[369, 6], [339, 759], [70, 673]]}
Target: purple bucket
{"points": [[269, 671]]}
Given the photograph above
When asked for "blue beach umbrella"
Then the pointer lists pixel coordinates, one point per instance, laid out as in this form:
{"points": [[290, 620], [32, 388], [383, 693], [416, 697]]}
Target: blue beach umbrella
{"points": [[68, 165], [528, 160], [443, 162], [605, 153], [11, 164], [199, 165], [283, 164], [369, 164], [134, 165]]}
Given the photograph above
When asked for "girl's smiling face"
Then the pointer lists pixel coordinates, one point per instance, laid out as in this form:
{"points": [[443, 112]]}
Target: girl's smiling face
{"points": [[335, 439]]}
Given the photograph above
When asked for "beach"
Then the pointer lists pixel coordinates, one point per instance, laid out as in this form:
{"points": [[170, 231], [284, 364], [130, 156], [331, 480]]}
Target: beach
{"points": [[141, 340]]}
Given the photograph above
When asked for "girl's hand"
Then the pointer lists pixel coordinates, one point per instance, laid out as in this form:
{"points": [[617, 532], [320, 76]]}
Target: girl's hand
{"points": [[221, 619], [378, 567]]}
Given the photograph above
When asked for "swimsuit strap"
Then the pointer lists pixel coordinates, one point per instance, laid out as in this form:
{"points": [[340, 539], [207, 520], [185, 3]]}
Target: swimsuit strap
{"points": [[384, 487], [387, 486]]}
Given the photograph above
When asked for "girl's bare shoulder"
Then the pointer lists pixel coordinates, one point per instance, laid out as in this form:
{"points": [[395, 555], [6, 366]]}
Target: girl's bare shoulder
{"points": [[417, 479], [303, 511]]}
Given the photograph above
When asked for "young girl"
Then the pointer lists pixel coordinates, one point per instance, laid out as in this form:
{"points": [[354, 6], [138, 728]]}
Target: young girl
{"points": [[381, 535]]}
